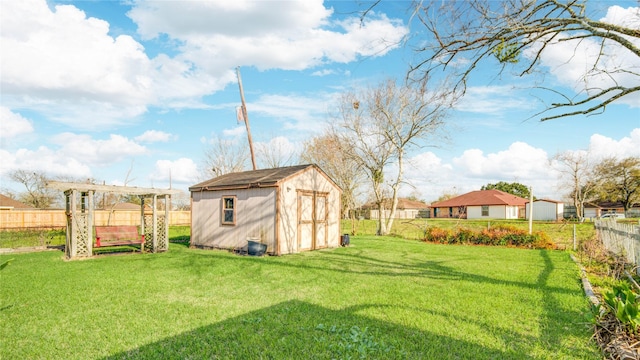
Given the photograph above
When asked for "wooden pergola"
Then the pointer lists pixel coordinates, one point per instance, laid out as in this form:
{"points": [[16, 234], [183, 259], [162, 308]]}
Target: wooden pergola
{"points": [[80, 207]]}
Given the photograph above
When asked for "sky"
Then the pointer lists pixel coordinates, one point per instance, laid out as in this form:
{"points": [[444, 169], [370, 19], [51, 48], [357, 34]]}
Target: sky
{"points": [[135, 92]]}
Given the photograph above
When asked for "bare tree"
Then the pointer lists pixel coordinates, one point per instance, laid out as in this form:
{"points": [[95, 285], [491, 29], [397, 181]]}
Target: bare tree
{"points": [[576, 172], [37, 194], [359, 139], [326, 151], [276, 153], [382, 124], [518, 34], [224, 156]]}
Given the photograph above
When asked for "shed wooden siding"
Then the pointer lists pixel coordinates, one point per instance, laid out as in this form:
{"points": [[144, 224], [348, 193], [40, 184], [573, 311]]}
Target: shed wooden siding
{"points": [[310, 181], [544, 210], [255, 218]]}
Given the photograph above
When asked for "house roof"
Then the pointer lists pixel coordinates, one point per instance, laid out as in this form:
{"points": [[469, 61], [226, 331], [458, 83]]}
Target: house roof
{"points": [[9, 203], [547, 200], [608, 205], [253, 179], [482, 197], [403, 204]]}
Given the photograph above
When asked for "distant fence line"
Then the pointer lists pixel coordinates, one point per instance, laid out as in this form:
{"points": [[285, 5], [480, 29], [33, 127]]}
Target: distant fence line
{"points": [[621, 239], [25, 219]]}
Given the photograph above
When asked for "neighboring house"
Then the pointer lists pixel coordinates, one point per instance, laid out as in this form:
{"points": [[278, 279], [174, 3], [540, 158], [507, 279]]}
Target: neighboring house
{"points": [[546, 210], [7, 203], [406, 209], [290, 209], [481, 204], [593, 210]]}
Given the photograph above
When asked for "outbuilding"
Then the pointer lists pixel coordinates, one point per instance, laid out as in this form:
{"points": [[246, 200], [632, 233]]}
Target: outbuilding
{"points": [[546, 210], [288, 209]]}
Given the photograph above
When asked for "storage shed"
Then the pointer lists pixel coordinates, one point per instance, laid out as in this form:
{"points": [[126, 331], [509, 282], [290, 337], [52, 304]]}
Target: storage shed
{"points": [[546, 210], [288, 209]]}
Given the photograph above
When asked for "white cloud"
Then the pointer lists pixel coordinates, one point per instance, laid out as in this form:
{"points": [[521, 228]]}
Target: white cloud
{"points": [[50, 57], [151, 136], [297, 112], [520, 160], [44, 160], [468, 172], [323, 72], [12, 124], [183, 171], [292, 35], [235, 132], [519, 163], [602, 147], [97, 152], [67, 66]]}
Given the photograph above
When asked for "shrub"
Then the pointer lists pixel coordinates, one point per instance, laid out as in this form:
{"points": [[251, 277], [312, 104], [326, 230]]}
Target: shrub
{"points": [[623, 303], [499, 235], [438, 235]]}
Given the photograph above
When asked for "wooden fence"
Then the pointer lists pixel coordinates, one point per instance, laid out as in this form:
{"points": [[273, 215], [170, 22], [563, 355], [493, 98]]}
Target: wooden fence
{"points": [[25, 219], [621, 239]]}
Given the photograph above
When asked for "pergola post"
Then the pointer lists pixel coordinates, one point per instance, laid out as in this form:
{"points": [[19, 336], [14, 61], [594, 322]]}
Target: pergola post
{"points": [[70, 244], [90, 239], [155, 222], [167, 220]]}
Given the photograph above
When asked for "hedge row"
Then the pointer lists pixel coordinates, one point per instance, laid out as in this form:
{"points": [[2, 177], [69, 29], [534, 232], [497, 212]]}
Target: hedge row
{"points": [[502, 235]]}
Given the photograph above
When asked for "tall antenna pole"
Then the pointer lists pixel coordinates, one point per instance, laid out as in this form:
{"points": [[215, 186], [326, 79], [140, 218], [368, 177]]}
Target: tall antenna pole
{"points": [[246, 119]]}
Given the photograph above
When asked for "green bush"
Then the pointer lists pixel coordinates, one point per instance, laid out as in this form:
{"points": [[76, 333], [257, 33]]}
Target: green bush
{"points": [[438, 235], [623, 303], [502, 235]]}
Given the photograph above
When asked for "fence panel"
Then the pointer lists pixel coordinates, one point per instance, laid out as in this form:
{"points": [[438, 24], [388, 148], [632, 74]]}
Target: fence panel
{"points": [[25, 219], [620, 239]]}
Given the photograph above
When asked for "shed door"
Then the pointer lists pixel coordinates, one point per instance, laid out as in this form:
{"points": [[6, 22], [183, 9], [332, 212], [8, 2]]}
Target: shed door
{"points": [[320, 221], [312, 220], [305, 221]]}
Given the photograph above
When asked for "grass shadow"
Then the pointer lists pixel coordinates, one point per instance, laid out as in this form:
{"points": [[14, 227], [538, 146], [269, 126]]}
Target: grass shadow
{"points": [[296, 329]]}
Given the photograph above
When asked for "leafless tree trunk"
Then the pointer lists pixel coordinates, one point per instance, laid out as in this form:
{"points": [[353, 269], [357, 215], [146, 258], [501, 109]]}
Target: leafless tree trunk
{"points": [[576, 172]]}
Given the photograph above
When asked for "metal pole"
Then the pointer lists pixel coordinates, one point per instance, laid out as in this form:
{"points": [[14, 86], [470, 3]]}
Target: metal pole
{"points": [[246, 119], [530, 210]]}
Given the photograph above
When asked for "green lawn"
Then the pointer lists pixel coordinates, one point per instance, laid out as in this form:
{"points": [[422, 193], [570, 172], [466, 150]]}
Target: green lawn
{"points": [[381, 298]]}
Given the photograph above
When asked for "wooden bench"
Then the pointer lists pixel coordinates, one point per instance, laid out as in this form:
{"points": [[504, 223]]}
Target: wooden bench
{"points": [[118, 236]]}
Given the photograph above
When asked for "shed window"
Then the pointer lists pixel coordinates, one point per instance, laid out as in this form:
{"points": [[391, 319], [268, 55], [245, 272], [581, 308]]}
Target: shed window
{"points": [[229, 210], [485, 210]]}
